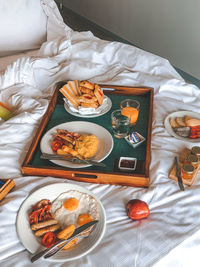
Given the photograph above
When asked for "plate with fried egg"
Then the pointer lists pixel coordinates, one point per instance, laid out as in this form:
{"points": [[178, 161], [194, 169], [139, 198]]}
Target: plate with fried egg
{"points": [[70, 205], [103, 142]]}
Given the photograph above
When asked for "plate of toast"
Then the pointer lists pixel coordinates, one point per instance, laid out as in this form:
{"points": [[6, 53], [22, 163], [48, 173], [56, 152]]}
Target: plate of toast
{"points": [[184, 125], [85, 99]]}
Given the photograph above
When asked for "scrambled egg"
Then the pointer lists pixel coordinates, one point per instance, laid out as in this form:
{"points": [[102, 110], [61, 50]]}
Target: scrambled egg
{"points": [[87, 145]]}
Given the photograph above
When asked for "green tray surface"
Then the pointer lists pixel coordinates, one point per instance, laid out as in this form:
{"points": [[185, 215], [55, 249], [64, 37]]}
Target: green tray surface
{"points": [[120, 149]]}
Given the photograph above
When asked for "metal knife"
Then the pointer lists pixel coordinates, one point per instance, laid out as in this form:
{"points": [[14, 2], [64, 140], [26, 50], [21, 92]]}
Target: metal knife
{"points": [[178, 174], [54, 249], [71, 159]]}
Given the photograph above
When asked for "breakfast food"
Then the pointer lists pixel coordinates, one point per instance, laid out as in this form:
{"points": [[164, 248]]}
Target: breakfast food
{"points": [[137, 209], [66, 232], [186, 126], [59, 219], [87, 145], [45, 230], [42, 222], [83, 93], [73, 144], [99, 94], [68, 218]]}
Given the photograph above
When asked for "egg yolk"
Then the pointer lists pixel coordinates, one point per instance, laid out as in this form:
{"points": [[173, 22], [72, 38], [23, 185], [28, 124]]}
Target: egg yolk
{"points": [[84, 218], [71, 204]]}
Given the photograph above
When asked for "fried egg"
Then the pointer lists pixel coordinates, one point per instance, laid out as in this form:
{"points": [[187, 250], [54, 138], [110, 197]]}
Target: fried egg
{"points": [[74, 207]]}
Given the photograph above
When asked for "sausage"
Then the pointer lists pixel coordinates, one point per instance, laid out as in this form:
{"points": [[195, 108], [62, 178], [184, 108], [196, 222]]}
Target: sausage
{"points": [[40, 225], [43, 231]]}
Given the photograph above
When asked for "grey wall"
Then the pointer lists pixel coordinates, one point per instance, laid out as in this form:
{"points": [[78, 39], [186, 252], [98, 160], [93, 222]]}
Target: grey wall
{"points": [[168, 28]]}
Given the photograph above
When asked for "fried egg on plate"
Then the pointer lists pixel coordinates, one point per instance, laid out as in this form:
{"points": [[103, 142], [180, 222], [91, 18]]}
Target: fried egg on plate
{"points": [[74, 207]]}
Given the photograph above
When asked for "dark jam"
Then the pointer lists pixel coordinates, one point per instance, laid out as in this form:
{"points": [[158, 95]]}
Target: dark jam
{"points": [[125, 163]]}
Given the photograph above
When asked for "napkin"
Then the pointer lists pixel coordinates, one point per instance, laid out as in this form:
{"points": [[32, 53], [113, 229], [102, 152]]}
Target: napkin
{"points": [[87, 111]]}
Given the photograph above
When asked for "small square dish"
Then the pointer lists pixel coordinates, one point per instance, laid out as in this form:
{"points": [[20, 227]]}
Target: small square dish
{"points": [[136, 141], [127, 163]]}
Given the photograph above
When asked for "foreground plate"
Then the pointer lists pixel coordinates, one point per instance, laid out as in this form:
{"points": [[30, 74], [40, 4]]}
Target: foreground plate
{"points": [[180, 114], [51, 192], [105, 141], [77, 114]]}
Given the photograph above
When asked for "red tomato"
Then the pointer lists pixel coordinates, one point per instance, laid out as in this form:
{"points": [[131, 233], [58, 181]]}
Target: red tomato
{"points": [[137, 209], [56, 144], [49, 239]]}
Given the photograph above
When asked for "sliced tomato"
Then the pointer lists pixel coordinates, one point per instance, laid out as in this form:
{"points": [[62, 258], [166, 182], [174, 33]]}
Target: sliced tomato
{"points": [[56, 144], [49, 239]]}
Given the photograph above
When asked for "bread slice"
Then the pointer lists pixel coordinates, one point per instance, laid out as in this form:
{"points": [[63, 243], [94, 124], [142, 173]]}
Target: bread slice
{"points": [[90, 105], [180, 121], [70, 95], [74, 87], [193, 122], [87, 84], [173, 123], [186, 118], [99, 94]]}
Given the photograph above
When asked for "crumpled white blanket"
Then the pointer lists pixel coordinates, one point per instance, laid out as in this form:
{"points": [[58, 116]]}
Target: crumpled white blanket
{"points": [[27, 86]]}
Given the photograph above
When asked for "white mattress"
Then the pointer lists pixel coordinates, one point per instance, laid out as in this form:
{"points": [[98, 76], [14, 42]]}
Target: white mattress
{"points": [[173, 225]]}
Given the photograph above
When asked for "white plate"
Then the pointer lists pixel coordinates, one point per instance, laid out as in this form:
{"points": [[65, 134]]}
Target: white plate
{"points": [[105, 141], [51, 192], [104, 111], [181, 114]]}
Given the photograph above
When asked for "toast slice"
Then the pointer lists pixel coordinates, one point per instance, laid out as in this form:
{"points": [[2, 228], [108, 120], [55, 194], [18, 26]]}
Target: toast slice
{"points": [[173, 123], [87, 84], [70, 95], [180, 121], [99, 94], [193, 122]]}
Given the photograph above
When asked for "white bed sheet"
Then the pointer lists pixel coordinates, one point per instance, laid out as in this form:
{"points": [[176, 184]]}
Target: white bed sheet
{"points": [[27, 84], [8, 60]]}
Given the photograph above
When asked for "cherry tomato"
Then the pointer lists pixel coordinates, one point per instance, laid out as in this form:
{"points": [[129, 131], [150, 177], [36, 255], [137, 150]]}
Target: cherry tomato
{"points": [[56, 144], [49, 239]]}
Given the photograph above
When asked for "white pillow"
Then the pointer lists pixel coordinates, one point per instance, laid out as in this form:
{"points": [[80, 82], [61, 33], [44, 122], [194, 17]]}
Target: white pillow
{"points": [[23, 26]]}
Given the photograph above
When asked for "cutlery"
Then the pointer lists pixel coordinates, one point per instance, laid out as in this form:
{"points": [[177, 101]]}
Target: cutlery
{"points": [[178, 173], [54, 249], [71, 159]]}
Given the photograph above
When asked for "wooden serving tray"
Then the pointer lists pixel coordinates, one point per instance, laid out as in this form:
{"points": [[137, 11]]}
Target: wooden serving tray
{"points": [[5, 189], [172, 174], [33, 165]]}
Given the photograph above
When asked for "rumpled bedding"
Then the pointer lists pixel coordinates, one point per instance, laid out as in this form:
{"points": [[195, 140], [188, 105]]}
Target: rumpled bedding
{"points": [[27, 86]]}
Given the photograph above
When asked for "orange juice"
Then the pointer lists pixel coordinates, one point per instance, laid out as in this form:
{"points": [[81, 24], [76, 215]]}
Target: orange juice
{"points": [[131, 113]]}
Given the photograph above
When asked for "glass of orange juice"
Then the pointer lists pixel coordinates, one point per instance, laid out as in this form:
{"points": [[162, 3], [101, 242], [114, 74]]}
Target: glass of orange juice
{"points": [[130, 108]]}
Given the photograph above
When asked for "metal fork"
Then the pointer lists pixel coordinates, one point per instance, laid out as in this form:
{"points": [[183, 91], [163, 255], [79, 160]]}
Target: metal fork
{"points": [[71, 159]]}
